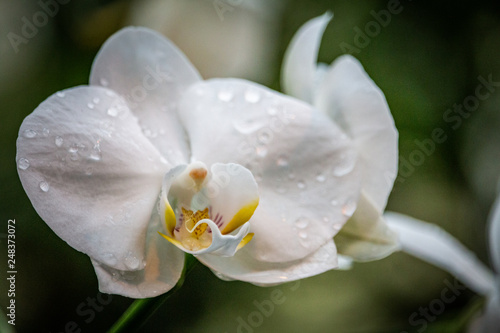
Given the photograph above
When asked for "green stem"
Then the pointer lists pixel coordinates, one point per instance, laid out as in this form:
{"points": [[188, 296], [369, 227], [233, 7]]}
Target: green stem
{"points": [[142, 309]]}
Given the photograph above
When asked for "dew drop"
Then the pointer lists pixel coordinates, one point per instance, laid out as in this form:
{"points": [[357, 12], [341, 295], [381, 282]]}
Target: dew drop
{"points": [[337, 226], [113, 112], [59, 141], [109, 259], [225, 96], [252, 96], [60, 94], [261, 151], [348, 208], [325, 219], [280, 188], [282, 161], [320, 178], [96, 100], [44, 186], [30, 134], [345, 165], [291, 175], [303, 234], [334, 202], [247, 126], [90, 105], [45, 132], [302, 223], [95, 154], [132, 262], [272, 111], [89, 171], [103, 82], [23, 163], [301, 185]]}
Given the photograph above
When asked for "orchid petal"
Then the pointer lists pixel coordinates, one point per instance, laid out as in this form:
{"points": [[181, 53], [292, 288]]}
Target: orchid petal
{"points": [[299, 64], [232, 193], [306, 168], [90, 174], [434, 245], [366, 236], [494, 235], [352, 100], [161, 272], [244, 267], [151, 73], [489, 321]]}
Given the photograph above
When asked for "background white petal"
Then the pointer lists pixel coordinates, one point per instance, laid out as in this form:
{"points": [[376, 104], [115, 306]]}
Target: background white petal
{"points": [[434, 245], [164, 263], [298, 72], [494, 235], [90, 173], [151, 73], [366, 236], [304, 165], [243, 266], [353, 101]]}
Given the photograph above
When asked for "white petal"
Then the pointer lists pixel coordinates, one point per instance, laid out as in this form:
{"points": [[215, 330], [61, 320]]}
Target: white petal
{"points": [[92, 177], [243, 266], [434, 245], [366, 236], [354, 102], [232, 194], [299, 64], [163, 269], [305, 166], [494, 235], [151, 73], [489, 321]]}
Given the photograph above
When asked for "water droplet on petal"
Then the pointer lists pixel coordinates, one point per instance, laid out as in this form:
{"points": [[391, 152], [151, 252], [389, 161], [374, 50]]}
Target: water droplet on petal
{"points": [[301, 222], [247, 126], [90, 106], [334, 202], [252, 96], [113, 112], [132, 262], [89, 171], [109, 259], [103, 82], [45, 132], [291, 175], [23, 163], [303, 234], [280, 188], [345, 165], [337, 226], [272, 111], [348, 208], [325, 219], [44, 186], [282, 161], [320, 178], [96, 100], [60, 94], [225, 95], [59, 141], [30, 134], [95, 154], [261, 151], [301, 185]]}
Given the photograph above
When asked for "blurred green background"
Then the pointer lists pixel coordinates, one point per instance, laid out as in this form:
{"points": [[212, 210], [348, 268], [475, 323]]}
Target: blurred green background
{"points": [[426, 59]]}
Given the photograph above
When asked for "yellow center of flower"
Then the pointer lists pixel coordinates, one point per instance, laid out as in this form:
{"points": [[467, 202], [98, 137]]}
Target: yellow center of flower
{"points": [[191, 218]]}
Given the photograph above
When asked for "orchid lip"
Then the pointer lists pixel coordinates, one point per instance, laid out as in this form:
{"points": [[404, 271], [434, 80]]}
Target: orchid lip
{"points": [[208, 211]]}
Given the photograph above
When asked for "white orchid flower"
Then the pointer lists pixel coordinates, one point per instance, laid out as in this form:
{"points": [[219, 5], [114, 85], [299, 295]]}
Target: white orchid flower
{"points": [[434, 245], [145, 164], [346, 94]]}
